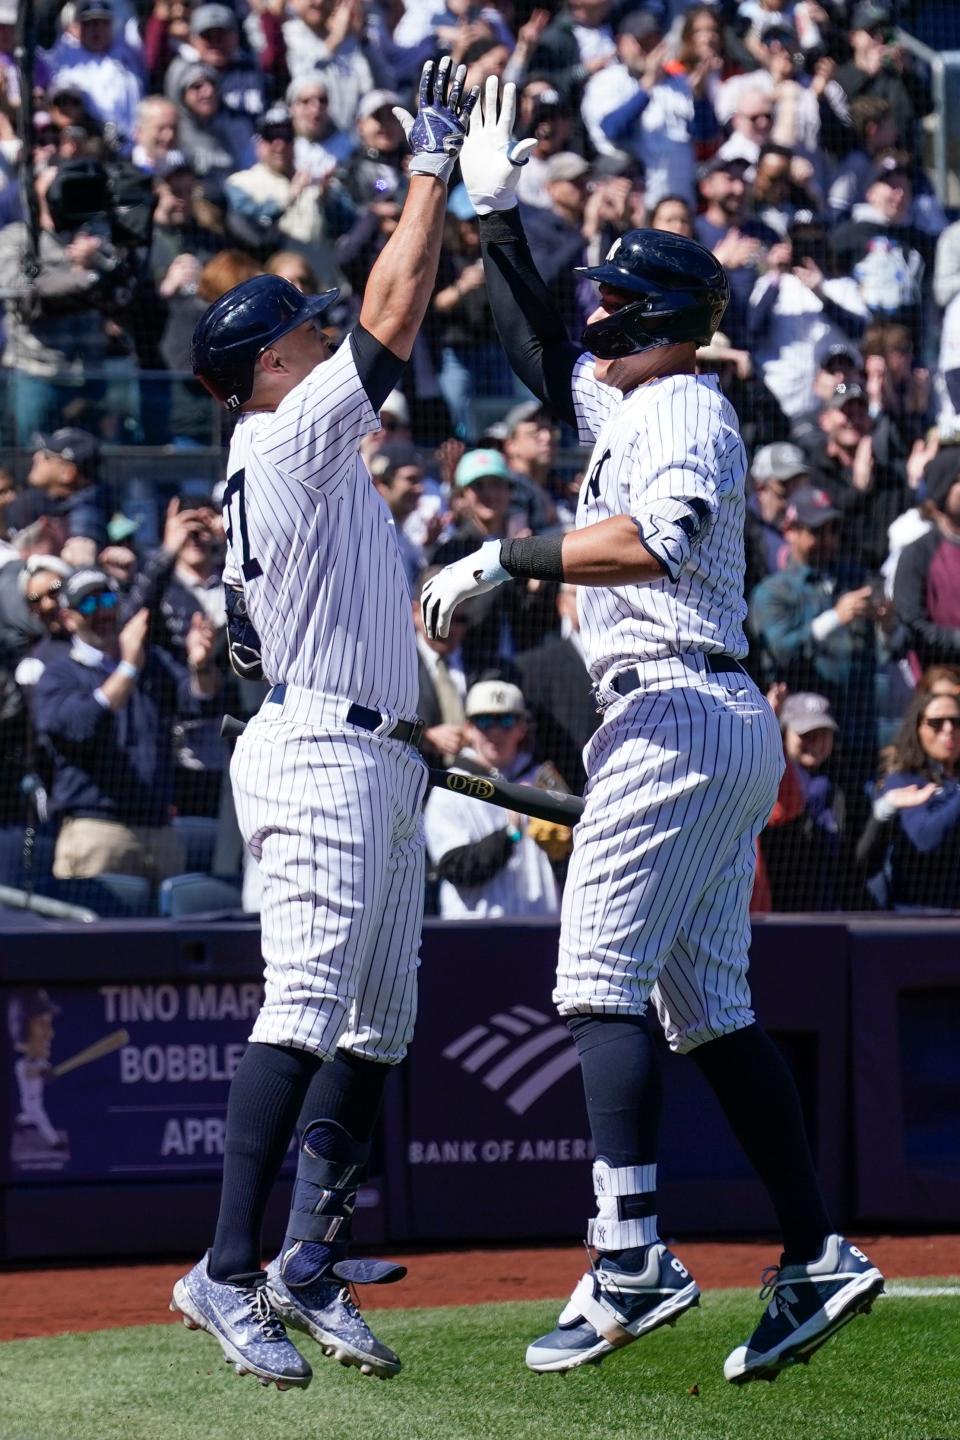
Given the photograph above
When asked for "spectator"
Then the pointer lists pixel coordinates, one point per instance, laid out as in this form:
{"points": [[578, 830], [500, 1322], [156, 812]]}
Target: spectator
{"points": [[838, 363], [397, 472], [576, 44], [879, 67], [738, 241], [918, 809], [502, 620], [291, 266], [215, 43], [530, 450], [926, 591], [894, 385], [376, 168], [782, 188], [556, 232], [674, 215], [214, 139], [105, 711], [181, 245], [65, 467], [802, 856], [751, 127], [556, 684], [888, 256], [40, 582], [761, 418], [861, 466], [874, 131], [328, 38], [940, 680], [179, 584], [155, 133], [546, 116], [90, 58], [319, 148], [796, 311], [487, 863], [777, 471], [442, 682], [635, 106], [812, 623]]}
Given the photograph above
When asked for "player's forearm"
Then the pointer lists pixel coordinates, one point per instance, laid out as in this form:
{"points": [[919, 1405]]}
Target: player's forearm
{"points": [[402, 280], [609, 553]]}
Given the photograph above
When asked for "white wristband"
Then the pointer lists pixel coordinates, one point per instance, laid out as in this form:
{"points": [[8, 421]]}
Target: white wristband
{"points": [[128, 671]]}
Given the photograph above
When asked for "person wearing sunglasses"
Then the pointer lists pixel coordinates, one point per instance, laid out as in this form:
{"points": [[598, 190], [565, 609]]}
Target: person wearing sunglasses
{"points": [[105, 709], [487, 863], [919, 800]]}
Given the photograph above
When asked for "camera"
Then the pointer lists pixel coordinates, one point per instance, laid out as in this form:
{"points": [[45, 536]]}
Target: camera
{"points": [[114, 202]]}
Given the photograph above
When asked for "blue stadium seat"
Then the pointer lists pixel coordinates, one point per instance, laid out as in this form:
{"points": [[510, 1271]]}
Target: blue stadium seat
{"points": [[197, 894], [199, 836], [114, 897]]}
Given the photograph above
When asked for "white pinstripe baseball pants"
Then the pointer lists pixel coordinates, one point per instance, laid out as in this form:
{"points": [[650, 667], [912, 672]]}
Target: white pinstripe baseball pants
{"points": [[680, 782], [334, 818]]}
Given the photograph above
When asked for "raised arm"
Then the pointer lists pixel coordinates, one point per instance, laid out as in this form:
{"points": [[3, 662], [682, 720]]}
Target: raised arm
{"points": [[402, 280], [530, 327]]}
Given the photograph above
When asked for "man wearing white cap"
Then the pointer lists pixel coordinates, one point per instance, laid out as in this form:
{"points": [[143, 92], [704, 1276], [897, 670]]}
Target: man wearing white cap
{"points": [[330, 40], [102, 67], [488, 863]]}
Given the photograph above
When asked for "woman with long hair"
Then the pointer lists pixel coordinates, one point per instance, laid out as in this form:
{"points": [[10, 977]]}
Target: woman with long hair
{"points": [[918, 805]]}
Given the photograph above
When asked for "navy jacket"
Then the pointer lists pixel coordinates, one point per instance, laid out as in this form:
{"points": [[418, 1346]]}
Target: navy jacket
{"points": [[113, 764]]}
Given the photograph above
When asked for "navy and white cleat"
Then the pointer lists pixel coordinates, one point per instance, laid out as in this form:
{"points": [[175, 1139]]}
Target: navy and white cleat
{"points": [[808, 1304], [611, 1307], [241, 1319], [324, 1309]]}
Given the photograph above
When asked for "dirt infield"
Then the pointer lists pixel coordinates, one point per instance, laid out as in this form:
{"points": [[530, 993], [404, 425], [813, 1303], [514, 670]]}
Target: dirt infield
{"points": [[51, 1302]]}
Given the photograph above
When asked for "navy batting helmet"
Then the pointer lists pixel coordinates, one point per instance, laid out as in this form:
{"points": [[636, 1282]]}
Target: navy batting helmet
{"points": [[232, 335], [681, 289]]}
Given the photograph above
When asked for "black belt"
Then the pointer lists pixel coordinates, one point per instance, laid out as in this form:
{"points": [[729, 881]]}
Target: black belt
{"points": [[629, 680], [409, 731]]}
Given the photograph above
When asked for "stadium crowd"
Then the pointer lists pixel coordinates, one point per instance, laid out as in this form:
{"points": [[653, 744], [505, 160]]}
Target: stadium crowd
{"points": [[173, 152]]}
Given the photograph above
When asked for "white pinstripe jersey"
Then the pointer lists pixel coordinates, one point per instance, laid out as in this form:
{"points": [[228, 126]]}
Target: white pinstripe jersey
{"points": [[316, 546], [672, 439]]}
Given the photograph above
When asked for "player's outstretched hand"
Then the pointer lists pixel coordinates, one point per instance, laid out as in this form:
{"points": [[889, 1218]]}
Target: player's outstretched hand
{"points": [[473, 575], [443, 112], [490, 162]]}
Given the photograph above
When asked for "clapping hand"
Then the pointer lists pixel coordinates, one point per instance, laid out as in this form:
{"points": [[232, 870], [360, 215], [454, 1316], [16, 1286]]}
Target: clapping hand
{"points": [[438, 133]]}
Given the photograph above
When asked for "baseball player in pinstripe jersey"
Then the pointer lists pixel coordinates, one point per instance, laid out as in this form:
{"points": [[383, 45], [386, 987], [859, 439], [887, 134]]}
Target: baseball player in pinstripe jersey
{"points": [[327, 778], [681, 774]]}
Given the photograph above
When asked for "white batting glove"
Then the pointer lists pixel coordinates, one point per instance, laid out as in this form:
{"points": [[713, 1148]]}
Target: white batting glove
{"points": [[473, 575], [490, 162]]}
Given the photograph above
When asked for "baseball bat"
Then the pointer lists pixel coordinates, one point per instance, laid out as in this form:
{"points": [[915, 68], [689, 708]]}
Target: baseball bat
{"points": [[551, 805], [96, 1051]]}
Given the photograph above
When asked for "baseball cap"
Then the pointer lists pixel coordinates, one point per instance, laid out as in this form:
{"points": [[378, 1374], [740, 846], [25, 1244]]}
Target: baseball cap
{"points": [[526, 410], [640, 24], [41, 564], [377, 100], [728, 164], [83, 583], [566, 165], [478, 465], [93, 10], [212, 17], [494, 697], [173, 163], [396, 406], [811, 508], [895, 162], [70, 444], [304, 85], [392, 456], [848, 350], [193, 74], [805, 712], [868, 15], [843, 395], [781, 461], [275, 121]]}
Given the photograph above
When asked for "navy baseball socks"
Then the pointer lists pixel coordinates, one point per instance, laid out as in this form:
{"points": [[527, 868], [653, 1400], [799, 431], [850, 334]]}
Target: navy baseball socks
{"points": [[636, 1284]]}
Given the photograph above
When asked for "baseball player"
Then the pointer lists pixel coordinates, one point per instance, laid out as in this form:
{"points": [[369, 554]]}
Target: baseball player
{"points": [[681, 774], [30, 1017], [327, 778]]}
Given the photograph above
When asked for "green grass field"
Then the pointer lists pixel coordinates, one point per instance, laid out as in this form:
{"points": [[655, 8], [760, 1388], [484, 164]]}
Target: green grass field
{"points": [[894, 1375]]}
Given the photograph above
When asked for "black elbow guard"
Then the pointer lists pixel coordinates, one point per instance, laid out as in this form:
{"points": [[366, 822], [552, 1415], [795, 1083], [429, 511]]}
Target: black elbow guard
{"points": [[243, 642]]}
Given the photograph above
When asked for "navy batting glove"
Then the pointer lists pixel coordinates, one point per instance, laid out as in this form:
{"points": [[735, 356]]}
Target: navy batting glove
{"points": [[437, 135]]}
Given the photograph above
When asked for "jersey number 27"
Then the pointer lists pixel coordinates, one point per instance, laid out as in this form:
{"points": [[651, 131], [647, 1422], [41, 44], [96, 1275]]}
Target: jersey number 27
{"points": [[250, 566]]}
